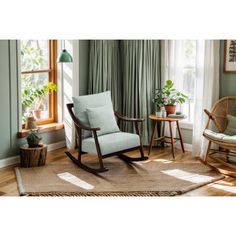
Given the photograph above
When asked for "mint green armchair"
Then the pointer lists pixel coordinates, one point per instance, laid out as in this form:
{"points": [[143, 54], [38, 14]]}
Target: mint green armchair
{"points": [[98, 131]]}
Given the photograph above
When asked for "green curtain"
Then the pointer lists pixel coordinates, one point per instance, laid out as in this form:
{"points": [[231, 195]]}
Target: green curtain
{"points": [[141, 77], [104, 70], [131, 70]]}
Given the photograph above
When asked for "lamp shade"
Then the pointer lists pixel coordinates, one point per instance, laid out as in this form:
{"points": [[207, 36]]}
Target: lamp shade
{"points": [[65, 57]]}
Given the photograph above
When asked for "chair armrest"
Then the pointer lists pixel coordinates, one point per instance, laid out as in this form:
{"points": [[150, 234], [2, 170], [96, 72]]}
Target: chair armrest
{"points": [[80, 126], [125, 118], [209, 114]]}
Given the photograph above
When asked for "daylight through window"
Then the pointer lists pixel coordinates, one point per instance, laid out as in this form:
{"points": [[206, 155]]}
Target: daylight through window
{"points": [[38, 80]]}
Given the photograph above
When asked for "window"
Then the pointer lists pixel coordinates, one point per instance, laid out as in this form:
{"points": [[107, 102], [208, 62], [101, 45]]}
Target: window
{"points": [[189, 76], [38, 80]]}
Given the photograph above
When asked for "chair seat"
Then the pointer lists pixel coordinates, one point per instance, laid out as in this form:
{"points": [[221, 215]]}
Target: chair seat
{"points": [[219, 136], [110, 143]]}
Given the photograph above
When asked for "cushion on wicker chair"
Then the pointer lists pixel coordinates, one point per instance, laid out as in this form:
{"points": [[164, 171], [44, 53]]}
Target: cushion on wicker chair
{"points": [[219, 136], [231, 126], [110, 143]]}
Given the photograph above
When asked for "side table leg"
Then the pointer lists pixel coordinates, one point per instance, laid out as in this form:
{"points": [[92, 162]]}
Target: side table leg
{"points": [[172, 140], [163, 134], [152, 137], [180, 136]]}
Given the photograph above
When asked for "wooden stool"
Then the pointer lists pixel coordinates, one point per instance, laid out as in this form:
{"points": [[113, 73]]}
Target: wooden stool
{"points": [[155, 119], [31, 157]]}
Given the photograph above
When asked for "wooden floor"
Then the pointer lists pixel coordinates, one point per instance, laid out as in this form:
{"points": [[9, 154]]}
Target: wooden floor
{"points": [[225, 187]]}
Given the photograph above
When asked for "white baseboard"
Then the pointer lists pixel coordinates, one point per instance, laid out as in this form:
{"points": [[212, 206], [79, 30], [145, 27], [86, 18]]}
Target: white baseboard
{"points": [[187, 147], [16, 159], [9, 161], [55, 146]]}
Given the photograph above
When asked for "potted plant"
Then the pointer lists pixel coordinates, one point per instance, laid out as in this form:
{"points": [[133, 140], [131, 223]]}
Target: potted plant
{"points": [[168, 96], [158, 100], [34, 96], [172, 97], [33, 139]]}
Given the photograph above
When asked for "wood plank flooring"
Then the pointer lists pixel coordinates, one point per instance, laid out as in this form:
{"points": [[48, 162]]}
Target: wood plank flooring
{"points": [[225, 187]]}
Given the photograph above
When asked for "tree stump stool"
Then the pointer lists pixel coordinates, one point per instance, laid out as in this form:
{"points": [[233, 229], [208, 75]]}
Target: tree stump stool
{"points": [[31, 157]]}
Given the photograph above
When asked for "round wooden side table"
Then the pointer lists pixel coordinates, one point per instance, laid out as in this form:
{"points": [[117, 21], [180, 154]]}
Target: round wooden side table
{"points": [[155, 119], [31, 157]]}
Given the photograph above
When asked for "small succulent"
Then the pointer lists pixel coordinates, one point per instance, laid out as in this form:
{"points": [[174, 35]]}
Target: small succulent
{"points": [[33, 138]]}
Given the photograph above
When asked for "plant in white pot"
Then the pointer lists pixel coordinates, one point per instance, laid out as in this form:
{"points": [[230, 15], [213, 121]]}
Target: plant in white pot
{"points": [[158, 100]]}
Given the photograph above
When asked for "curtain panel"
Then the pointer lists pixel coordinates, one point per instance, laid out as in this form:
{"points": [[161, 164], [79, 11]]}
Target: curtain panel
{"points": [[131, 70], [141, 77], [104, 70]]}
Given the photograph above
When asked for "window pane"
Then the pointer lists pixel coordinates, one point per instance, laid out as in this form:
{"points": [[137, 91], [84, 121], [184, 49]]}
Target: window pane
{"points": [[190, 53], [189, 77], [34, 95], [34, 55]]}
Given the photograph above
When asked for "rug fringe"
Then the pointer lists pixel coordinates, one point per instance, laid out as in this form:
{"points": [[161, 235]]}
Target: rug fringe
{"points": [[104, 194]]}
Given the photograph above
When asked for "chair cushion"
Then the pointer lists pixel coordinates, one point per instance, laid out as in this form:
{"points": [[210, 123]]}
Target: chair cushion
{"points": [[104, 118], [231, 127], [110, 143], [219, 136], [81, 103]]}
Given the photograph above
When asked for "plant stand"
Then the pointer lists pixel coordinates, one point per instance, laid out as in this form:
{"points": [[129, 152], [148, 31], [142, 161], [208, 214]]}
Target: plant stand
{"points": [[31, 157]]}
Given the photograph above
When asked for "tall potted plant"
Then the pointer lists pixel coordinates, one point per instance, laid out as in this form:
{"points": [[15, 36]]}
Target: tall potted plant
{"points": [[168, 96]]}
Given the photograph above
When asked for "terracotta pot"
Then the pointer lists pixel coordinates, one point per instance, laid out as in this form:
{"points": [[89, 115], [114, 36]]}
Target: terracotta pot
{"points": [[37, 114], [170, 109]]}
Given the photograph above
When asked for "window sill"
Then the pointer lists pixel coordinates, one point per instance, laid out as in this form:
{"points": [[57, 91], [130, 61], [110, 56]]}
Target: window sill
{"points": [[186, 125], [42, 129]]}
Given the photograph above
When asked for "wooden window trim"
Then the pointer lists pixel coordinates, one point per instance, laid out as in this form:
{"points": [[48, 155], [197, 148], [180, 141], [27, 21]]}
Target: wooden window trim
{"points": [[52, 75], [51, 127]]}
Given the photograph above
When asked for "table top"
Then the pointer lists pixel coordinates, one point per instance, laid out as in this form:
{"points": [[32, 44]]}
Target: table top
{"points": [[154, 117]]}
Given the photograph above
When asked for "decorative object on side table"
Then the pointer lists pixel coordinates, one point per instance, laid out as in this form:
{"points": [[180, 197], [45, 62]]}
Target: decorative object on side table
{"points": [[33, 154], [168, 96]]}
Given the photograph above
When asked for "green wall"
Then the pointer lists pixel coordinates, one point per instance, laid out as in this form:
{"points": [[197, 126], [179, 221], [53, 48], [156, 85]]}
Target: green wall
{"points": [[227, 80], [9, 101]]}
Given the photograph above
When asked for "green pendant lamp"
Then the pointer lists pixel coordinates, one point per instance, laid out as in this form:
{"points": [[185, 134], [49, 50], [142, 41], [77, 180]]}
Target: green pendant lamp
{"points": [[65, 57]]}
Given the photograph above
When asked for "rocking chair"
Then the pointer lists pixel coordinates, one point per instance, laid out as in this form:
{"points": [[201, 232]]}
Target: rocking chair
{"points": [[223, 118], [98, 131]]}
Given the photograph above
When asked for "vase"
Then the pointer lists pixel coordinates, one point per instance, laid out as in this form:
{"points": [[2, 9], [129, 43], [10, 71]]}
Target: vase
{"points": [[158, 113], [37, 114], [170, 109]]}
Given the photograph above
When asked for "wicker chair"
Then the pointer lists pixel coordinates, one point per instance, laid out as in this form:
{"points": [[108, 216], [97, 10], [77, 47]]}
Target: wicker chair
{"points": [[215, 132]]}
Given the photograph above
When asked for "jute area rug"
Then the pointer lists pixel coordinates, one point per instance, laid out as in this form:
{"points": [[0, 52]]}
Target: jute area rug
{"points": [[148, 178]]}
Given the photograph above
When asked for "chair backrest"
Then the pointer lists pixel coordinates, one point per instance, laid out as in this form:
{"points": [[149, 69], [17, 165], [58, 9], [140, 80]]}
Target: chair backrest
{"points": [[223, 107], [81, 103]]}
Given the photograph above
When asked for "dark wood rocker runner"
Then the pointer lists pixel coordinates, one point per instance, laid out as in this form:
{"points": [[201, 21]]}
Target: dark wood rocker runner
{"points": [[79, 127]]}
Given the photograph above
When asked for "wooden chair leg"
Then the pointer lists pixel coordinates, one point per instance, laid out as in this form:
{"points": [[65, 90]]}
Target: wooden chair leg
{"points": [[207, 153], [99, 153], [227, 155], [152, 137]]}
